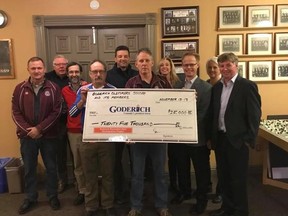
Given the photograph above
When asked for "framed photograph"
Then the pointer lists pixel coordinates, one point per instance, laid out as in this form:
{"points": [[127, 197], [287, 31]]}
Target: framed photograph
{"points": [[6, 59], [282, 15], [281, 70], [281, 43], [242, 68], [178, 67], [260, 70], [175, 49], [260, 15], [231, 17], [180, 21], [259, 44], [230, 43]]}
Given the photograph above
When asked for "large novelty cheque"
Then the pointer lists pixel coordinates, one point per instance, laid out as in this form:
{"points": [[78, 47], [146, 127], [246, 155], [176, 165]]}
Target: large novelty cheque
{"points": [[141, 115]]}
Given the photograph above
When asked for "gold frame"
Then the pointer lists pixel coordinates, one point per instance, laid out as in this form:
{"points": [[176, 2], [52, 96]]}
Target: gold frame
{"points": [[236, 46], [6, 59], [260, 16], [280, 10], [235, 19]]}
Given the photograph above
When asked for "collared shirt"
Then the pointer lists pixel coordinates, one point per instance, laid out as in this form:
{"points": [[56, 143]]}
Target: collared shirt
{"points": [[189, 83], [225, 95]]}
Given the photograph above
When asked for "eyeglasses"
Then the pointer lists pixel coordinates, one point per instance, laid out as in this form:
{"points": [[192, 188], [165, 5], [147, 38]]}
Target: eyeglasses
{"points": [[60, 64], [94, 72], [190, 65]]}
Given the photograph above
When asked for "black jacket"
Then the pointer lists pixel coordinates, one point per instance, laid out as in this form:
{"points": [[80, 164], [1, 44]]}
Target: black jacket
{"points": [[118, 78]]}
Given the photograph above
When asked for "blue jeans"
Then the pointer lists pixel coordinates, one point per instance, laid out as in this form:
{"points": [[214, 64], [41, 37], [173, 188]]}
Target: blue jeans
{"points": [[157, 153], [29, 152]]}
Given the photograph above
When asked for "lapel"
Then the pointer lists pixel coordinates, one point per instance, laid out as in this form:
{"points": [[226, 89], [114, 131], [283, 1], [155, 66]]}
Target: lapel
{"points": [[218, 92], [235, 89], [195, 83]]}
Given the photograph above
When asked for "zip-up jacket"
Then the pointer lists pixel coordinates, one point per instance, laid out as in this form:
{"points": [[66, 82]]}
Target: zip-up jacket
{"points": [[41, 111], [157, 81], [74, 110], [73, 124]]}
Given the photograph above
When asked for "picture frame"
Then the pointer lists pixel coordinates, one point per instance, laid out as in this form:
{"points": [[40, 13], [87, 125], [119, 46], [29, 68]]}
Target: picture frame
{"points": [[230, 17], [178, 67], [259, 44], [6, 60], [230, 43], [175, 49], [260, 15], [180, 21], [260, 70], [281, 70], [281, 43], [242, 69], [282, 15]]}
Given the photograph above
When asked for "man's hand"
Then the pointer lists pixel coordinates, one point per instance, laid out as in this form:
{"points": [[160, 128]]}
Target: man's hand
{"points": [[83, 92], [34, 133]]}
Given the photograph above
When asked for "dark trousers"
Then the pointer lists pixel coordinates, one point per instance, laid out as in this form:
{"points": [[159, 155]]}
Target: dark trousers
{"points": [[218, 186], [172, 165], [200, 159], [182, 161], [61, 145], [119, 178], [233, 164], [29, 153]]}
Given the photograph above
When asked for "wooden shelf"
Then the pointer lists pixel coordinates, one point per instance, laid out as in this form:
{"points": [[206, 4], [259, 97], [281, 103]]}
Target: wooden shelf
{"points": [[254, 28], [261, 56]]}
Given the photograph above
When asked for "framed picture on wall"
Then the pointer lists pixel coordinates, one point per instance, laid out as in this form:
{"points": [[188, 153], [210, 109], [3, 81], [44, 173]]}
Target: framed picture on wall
{"points": [[6, 59], [259, 44], [231, 17], [260, 15], [260, 70], [242, 68], [230, 43], [180, 21], [175, 49], [178, 67], [281, 70], [281, 43], [282, 15]]}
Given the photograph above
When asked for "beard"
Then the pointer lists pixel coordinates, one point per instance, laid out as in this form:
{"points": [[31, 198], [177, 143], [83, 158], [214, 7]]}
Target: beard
{"points": [[75, 80]]}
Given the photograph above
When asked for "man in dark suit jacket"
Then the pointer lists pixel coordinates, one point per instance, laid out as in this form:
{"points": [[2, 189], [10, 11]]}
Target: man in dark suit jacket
{"points": [[198, 152], [235, 115]]}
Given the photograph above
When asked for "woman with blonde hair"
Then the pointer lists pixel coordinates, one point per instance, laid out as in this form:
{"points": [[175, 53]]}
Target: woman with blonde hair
{"points": [[167, 69], [213, 70], [214, 74]]}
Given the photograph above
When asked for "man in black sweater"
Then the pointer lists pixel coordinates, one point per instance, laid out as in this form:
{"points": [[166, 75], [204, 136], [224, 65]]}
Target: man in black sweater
{"points": [[118, 76]]}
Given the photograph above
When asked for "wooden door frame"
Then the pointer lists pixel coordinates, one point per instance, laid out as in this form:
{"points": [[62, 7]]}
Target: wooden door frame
{"points": [[42, 23]]}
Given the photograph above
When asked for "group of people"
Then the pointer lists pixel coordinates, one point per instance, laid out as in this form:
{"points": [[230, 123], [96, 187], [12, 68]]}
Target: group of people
{"points": [[228, 116]]}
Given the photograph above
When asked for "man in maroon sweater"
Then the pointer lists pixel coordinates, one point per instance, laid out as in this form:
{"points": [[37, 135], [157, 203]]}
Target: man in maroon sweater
{"points": [[36, 108]]}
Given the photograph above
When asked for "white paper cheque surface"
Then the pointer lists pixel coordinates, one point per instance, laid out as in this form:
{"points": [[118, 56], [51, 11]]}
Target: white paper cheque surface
{"points": [[141, 115]]}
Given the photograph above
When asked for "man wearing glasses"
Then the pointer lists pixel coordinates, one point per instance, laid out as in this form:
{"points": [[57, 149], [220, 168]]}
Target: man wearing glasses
{"points": [[198, 153], [59, 76], [97, 157]]}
